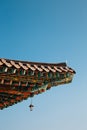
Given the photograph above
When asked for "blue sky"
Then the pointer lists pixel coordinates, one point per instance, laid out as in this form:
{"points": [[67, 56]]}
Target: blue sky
{"points": [[47, 31]]}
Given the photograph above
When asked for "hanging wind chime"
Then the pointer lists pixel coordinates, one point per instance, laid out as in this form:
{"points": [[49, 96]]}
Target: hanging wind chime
{"points": [[31, 105]]}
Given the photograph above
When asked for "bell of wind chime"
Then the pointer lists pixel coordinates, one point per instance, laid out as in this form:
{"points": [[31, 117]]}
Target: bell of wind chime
{"points": [[31, 106]]}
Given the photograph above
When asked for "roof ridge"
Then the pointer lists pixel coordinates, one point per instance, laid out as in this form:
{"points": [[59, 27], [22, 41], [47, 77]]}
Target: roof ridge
{"points": [[37, 63]]}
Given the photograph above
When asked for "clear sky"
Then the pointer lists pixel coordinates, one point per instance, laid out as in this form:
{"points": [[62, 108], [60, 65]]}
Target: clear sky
{"points": [[47, 31]]}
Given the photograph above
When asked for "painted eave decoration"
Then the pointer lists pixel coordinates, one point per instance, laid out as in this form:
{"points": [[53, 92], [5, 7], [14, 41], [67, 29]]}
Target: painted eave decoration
{"points": [[20, 80]]}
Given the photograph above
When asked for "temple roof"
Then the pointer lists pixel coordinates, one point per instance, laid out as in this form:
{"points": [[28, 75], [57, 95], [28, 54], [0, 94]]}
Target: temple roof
{"points": [[21, 79]]}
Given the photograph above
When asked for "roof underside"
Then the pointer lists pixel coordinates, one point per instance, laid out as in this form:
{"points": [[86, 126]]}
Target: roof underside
{"points": [[20, 79]]}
